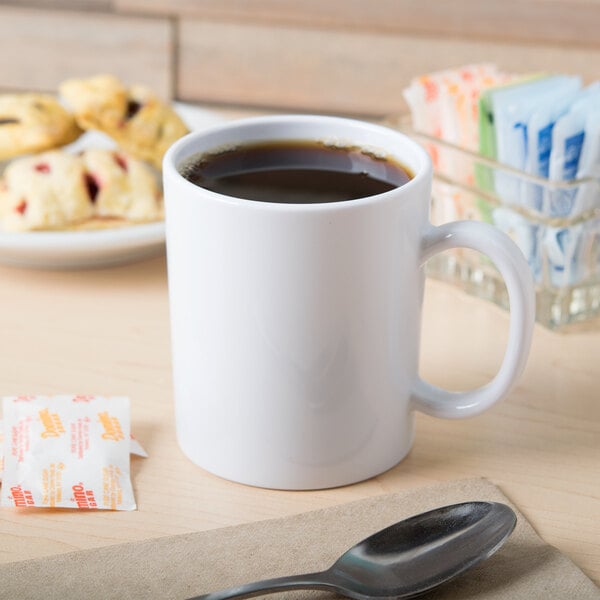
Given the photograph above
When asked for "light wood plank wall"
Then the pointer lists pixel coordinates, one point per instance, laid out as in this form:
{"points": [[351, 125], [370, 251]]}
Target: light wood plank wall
{"points": [[338, 56]]}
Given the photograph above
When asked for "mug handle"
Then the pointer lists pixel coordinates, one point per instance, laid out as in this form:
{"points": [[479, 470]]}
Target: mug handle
{"points": [[521, 293]]}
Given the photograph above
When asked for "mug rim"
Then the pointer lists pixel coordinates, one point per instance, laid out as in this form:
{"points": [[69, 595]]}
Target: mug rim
{"points": [[173, 157]]}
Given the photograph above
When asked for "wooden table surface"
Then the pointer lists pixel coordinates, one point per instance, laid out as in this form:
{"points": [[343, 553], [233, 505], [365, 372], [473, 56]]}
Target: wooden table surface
{"points": [[106, 331]]}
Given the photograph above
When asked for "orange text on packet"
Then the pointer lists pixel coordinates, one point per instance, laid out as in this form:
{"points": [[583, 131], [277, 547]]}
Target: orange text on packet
{"points": [[53, 426], [112, 427], [21, 497], [84, 498]]}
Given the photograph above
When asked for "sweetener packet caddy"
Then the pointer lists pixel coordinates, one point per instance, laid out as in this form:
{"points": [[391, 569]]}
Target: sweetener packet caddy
{"points": [[563, 252]]}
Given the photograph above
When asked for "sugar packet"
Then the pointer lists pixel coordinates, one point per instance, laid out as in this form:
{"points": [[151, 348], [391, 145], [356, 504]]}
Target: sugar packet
{"points": [[512, 109], [576, 154], [135, 448], [444, 104], [538, 131], [67, 452], [487, 142], [525, 233]]}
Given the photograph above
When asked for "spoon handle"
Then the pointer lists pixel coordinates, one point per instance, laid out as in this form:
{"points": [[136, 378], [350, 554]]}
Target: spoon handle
{"points": [[315, 581]]}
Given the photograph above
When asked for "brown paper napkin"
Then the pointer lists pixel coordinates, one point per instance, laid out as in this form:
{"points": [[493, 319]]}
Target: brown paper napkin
{"points": [[185, 565]]}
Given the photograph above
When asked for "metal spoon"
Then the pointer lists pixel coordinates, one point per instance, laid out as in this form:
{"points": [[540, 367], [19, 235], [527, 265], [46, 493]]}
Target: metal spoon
{"points": [[404, 560]]}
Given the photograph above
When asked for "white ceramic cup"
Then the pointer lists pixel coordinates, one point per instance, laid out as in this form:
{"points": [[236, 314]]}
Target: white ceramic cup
{"points": [[295, 328]]}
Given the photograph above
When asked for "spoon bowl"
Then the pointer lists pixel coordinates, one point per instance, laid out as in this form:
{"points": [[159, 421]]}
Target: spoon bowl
{"points": [[403, 560]]}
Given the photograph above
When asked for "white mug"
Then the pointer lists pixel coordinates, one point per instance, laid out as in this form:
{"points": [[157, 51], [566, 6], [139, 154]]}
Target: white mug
{"points": [[295, 327]]}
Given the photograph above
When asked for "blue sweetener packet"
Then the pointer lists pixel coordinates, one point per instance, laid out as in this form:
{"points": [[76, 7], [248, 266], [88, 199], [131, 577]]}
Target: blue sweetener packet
{"points": [[572, 254], [513, 108], [484, 175], [588, 194], [524, 232], [539, 139], [568, 142], [573, 251]]}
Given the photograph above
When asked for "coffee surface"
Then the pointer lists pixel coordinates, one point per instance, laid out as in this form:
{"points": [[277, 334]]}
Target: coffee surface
{"points": [[295, 172]]}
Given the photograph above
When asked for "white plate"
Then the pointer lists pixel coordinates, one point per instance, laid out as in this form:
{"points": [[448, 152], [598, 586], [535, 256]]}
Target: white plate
{"points": [[102, 248]]}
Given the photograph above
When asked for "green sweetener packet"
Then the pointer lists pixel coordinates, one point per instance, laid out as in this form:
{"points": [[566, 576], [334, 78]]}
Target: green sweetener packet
{"points": [[484, 175]]}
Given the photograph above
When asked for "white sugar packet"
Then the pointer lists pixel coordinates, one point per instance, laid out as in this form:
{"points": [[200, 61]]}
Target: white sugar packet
{"points": [[136, 448], [67, 452]]}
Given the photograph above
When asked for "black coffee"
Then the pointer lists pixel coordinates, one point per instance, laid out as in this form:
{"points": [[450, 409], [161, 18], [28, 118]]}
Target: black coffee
{"points": [[295, 172]]}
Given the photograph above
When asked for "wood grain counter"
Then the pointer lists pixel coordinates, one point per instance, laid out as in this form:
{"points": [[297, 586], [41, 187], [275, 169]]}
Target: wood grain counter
{"points": [[106, 332]]}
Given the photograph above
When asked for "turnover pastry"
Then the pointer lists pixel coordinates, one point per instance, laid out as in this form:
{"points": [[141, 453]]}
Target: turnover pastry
{"points": [[134, 117], [33, 122], [59, 190]]}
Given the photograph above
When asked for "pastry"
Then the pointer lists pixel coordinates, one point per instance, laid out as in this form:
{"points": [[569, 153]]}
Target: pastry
{"points": [[59, 190], [32, 123], [134, 117], [121, 186], [45, 191]]}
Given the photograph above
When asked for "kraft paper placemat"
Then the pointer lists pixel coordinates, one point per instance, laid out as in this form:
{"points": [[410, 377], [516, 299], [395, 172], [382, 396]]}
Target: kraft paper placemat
{"points": [[181, 566]]}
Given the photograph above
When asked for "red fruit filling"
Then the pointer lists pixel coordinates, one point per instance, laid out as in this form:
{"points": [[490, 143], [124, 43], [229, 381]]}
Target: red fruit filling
{"points": [[121, 161], [42, 168], [132, 108], [21, 207], [93, 186]]}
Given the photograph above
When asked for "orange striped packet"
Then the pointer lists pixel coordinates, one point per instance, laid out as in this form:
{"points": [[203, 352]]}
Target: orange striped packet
{"points": [[67, 452]]}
